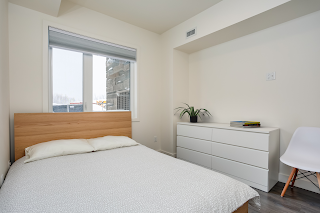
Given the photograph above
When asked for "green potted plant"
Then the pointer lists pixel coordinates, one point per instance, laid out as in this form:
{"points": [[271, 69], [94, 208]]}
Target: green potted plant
{"points": [[193, 113]]}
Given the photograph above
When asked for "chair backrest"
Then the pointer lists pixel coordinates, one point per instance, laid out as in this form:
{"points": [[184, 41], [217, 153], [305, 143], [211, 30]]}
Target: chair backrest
{"points": [[305, 141]]}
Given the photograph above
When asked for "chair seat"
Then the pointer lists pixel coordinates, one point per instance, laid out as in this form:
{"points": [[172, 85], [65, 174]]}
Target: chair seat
{"points": [[302, 153], [308, 163]]}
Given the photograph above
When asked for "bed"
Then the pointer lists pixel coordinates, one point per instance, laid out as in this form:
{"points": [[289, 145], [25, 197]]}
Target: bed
{"points": [[130, 179]]}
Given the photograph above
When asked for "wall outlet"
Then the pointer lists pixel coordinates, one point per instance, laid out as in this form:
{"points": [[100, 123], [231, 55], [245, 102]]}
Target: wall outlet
{"points": [[271, 76], [155, 138]]}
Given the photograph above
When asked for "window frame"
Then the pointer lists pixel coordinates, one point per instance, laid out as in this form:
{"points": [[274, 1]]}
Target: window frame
{"points": [[87, 73]]}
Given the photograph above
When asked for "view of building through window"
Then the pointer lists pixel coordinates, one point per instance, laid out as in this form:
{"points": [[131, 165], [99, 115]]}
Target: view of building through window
{"points": [[111, 87], [110, 82]]}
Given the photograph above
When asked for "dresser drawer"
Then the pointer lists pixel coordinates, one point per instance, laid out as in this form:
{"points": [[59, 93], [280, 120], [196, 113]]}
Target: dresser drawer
{"points": [[194, 157], [247, 172], [240, 154], [194, 132], [241, 138], [194, 144]]}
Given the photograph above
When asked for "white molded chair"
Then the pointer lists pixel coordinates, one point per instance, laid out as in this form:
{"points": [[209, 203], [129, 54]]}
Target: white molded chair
{"points": [[303, 153]]}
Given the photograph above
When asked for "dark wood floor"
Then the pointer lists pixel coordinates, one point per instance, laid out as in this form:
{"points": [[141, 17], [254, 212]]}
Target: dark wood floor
{"points": [[295, 200]]}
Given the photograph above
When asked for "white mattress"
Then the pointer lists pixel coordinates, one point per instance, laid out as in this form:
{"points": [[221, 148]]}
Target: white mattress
{"points": [[131, 179]]}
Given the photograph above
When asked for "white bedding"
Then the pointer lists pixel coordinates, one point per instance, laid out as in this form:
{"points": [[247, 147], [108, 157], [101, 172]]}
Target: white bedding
{"points": [[130, 179]]}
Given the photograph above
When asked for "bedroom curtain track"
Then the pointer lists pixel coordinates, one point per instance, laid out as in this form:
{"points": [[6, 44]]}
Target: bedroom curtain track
{"points": [[67, 40]]}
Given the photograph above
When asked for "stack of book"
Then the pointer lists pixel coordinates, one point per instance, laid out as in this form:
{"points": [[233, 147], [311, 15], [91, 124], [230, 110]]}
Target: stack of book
{"points": [[244, 124]]}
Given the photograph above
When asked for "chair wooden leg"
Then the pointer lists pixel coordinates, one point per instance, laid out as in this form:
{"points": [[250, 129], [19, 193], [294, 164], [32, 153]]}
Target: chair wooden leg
{"points": [[288, 182], [318, 177], [294, 178]]}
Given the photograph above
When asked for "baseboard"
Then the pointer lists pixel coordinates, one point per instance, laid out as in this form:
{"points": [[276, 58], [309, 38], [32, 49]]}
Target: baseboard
{"points": [[301, 183], [168, 153]]}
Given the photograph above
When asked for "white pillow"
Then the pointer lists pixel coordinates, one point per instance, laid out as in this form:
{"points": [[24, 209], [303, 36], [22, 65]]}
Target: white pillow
{"points": [[111, 142], [57, 148]]}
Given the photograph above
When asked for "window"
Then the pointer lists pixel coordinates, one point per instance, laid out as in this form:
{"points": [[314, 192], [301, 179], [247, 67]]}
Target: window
{"points": [[67, 81], [90, 75], [99, 83], [111, 84]]}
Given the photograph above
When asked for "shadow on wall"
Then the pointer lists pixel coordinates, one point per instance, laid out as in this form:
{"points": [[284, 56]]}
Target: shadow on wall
{"points": [[67, 7]]}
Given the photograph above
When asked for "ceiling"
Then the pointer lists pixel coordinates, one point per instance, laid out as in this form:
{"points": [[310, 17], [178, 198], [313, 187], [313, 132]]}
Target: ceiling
{"points": [[154, 15], [50, 7]]}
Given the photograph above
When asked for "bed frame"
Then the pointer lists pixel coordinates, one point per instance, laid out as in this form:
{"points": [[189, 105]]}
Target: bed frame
{"points": [[33, 128], [243, 208]]}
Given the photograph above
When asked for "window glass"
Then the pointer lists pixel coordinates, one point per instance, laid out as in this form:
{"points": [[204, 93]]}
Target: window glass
{"points": [[111, 84], [67, 81], [99, 83]]}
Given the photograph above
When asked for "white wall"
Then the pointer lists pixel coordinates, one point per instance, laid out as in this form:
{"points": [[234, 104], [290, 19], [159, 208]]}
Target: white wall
{"points": [[180, 89], [217, 74], [230, 79], [215, 18], [26, 57], [4, 89]]}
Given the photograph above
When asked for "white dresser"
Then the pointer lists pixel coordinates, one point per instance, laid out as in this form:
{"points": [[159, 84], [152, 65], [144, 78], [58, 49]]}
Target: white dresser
{"points": [[250, 155]]}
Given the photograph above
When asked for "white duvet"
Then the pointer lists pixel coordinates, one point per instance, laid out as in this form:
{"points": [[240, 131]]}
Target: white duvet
{"points": [[131, 179]]}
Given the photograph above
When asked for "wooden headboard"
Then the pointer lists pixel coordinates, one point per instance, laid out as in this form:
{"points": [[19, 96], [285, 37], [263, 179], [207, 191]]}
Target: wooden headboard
{"points": [[33, 128]]}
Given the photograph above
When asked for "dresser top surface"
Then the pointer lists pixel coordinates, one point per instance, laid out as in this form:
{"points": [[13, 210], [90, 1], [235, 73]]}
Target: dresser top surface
{"points": [[261, 129]]}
